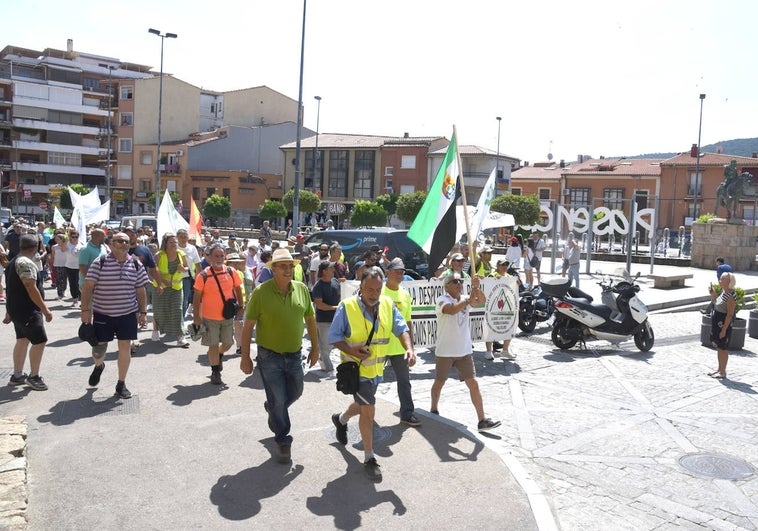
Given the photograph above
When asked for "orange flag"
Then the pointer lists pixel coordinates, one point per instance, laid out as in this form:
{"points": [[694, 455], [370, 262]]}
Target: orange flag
{"points": [[195, 221]]}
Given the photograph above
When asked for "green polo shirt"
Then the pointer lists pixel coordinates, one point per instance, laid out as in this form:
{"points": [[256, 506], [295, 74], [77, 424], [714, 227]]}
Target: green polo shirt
{"points": [[279, 319]]}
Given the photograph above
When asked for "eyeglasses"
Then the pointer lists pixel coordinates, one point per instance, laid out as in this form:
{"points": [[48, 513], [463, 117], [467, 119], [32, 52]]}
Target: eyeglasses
{"points": [[120, 241], [456, 281], [74, 235]]}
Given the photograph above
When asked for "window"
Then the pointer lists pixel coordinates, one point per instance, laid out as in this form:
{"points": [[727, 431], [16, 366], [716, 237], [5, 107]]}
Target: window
{"points": [[338, 166], [516, 191], [64, 159], [146, 186], [695, 179], [127, 93], [408, 162], [544, 194], [127, 119], [196, 193], [146, 158], [312, 180], [579, 196], [407, 188], [613, 198], [90, 83], [641, 197], [227, 192], [388, 171], [363, 176], [124, 172], [125, 145]]}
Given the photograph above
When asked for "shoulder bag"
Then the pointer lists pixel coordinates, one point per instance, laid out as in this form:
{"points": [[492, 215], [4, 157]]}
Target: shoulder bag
{"points": [[348, 372]]}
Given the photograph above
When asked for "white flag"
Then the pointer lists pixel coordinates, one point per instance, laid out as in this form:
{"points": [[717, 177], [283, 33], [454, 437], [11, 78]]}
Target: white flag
{"points": [[58, 218], [169, 220], [483, 206]]}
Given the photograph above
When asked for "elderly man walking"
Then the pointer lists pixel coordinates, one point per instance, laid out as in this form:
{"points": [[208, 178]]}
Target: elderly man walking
{"points": [[278, 310], [114, 301]]}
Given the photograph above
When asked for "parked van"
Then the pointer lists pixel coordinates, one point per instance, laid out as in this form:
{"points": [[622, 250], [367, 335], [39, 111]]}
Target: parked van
{"points": [[140, 221], [355, 243]]}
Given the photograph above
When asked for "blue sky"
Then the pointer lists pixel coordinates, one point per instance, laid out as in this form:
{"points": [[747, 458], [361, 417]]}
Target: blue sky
{"points": [[590, 77]]}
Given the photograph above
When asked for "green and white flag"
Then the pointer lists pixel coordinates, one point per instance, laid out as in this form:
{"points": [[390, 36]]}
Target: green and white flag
{"points": [[483, 206], [58, 218], [434, 228]]}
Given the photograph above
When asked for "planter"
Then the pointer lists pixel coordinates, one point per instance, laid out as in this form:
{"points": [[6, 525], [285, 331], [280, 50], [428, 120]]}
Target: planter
{"points": [[736, 340], [752, 324]]}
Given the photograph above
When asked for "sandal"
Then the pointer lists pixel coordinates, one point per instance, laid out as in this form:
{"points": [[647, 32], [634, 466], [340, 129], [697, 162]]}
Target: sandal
{"points": [[717, 375]]}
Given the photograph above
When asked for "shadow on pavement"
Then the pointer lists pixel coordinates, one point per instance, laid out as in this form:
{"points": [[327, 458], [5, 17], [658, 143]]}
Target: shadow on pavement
{"points": [[186, 394], [69, 411]]}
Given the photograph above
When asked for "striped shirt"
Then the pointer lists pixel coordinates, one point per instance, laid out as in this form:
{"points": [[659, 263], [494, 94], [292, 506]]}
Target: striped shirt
{"points": [[115, 285]]}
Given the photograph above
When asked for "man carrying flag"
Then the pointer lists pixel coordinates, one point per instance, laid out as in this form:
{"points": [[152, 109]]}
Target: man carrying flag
{"points": [[434, 228]]}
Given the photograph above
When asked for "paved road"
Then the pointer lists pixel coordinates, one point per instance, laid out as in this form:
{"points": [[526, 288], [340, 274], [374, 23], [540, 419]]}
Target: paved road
{"points": [[590, 440]]}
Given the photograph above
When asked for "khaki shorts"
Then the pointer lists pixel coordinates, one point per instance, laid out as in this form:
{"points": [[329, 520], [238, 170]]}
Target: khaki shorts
{"points": [[218, 332], [464, 365]]}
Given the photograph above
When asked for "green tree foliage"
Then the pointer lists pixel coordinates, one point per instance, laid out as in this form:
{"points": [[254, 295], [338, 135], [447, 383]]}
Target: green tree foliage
{"points": [[66, 197], [272, 209], [525, 209], [309, 202], [173, 195], [408, 205], [388, 202], [368, 214], [217, 207]]}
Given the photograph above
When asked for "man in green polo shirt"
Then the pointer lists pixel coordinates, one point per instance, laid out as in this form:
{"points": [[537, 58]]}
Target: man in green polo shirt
{"points": [[281, 308]]}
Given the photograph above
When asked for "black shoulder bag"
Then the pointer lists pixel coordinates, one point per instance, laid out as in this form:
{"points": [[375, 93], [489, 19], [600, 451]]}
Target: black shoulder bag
{"points": [[231, 306], [348, 372]]}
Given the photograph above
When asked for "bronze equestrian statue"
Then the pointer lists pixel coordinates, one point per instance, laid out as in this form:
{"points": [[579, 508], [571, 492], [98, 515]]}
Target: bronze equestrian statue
{"points": [[732, 189]]}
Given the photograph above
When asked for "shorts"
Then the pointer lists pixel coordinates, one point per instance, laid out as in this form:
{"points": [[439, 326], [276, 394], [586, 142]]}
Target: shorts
{"points": [[32, 328], [218, 332], [463, 364], [123, 327], [366, 395]]}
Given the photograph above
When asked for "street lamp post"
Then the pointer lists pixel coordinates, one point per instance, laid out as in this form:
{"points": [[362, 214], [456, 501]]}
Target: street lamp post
{"points": [[497, 159], [697, 160], [299, 136], [160, 112], [108, 137], [315, 152]]}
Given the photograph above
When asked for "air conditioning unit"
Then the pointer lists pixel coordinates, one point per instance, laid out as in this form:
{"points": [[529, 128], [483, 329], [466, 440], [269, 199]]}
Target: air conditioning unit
{"points": [[179, 152]]}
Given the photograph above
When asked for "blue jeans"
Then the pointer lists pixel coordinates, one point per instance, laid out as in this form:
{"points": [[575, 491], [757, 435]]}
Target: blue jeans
{"points": [[186, 294], [573, 274], [403, 377], [282, 376]]}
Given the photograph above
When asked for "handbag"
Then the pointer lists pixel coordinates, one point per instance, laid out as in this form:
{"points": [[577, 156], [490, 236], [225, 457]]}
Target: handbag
{"points": [[348, 372], [534, 261], [231, 306]]}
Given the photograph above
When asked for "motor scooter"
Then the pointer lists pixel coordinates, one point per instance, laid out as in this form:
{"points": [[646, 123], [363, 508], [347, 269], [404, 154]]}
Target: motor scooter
{"points": [[622, 315]]}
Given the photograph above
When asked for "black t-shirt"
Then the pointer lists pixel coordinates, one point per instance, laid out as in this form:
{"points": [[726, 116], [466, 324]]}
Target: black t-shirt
{"points": [[144, 255], [330, 294]]}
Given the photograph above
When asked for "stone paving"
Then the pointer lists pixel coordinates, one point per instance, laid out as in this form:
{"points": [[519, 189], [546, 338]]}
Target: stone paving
{"points": [[595, 436]]}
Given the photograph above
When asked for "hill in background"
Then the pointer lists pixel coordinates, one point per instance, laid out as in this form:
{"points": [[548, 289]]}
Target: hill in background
{"points": [[742, 147]]}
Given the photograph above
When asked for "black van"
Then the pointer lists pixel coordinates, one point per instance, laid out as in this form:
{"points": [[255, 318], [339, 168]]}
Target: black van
{"points": [[394, 242]]}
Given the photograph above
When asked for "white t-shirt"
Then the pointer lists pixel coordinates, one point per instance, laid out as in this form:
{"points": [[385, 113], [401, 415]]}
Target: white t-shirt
{"points": [[513, 255], [192, 258], [453, 331], [72, 255]]}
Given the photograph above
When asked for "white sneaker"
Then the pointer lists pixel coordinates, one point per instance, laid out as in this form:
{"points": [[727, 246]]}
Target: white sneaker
{"points": [[507, 354], [488, 355], [156, 335], [181, 342]]}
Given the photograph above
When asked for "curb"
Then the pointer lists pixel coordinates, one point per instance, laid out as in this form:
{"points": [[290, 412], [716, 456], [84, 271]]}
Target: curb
{"points": [[13, 488]]}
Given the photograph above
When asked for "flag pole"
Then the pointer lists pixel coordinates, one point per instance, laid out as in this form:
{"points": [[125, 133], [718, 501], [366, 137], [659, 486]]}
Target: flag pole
{"points": [[469, 241]]}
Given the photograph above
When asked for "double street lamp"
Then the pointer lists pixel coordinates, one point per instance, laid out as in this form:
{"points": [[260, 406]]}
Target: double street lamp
{"points": [[163, 37]]}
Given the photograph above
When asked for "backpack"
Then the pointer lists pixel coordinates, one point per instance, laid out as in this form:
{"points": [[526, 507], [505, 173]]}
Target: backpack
{"points": [[102, 258]]}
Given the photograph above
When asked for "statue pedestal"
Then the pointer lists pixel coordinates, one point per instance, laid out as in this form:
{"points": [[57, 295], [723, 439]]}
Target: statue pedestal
{"points": [[733, 240]]}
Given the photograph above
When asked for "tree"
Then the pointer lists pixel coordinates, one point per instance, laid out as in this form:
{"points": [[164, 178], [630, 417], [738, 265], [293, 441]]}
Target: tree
{"points": [[66, 197], [217, 206], [368, 214], [388, 202], [272, 209], [173, 195], [309, 202], [524, 208], [408, 205]]}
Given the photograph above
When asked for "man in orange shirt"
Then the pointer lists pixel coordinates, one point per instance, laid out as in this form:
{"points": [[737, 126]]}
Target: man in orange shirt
{"points": [[208, 307]]}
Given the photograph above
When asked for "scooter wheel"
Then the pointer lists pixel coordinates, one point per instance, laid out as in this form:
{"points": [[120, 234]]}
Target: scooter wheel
{"points": [[560, 341], [645, 338], [527, 323]]}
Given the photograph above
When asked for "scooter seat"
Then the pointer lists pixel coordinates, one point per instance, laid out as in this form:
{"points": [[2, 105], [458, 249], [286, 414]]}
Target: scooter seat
{"points": [[598, 309]]}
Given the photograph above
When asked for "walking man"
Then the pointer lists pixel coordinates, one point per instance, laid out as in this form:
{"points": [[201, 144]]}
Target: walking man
{"points": [[114, 301], [396, 352], [279, 309], [361, 329], [454, 347], [25, 308]]}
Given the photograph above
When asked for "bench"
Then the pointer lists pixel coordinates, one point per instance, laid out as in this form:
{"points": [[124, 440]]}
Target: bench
{"points": [[669, 280]]}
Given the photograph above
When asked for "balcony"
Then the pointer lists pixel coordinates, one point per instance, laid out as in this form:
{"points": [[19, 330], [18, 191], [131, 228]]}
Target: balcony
{"points": [[57, 168], [63, 148], [42, 125], [170, 169], [691, 190]]}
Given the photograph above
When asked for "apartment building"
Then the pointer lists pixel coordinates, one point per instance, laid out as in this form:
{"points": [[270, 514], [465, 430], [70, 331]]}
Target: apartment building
{"points": [[56, 119]]}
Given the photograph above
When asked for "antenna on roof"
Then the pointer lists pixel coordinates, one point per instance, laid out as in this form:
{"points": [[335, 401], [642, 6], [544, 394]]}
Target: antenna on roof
{"points": [[550, 151]]}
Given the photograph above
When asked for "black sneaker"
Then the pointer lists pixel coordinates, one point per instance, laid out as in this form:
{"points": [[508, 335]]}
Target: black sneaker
{"points": [[284, 453], [341, 429], [21, 380], [372, 469], [270, 422], [488, 424], [123, 392], [411, 420], [36, 383], [216, 378], [94, 378]]}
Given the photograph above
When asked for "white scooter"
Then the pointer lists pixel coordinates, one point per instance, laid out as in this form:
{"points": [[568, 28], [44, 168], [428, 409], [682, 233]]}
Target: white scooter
{"points": [[623, 314]]}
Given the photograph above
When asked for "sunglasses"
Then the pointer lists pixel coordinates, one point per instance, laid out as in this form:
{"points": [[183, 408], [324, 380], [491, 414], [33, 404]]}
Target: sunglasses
{"points": [[120, 241], [457, 281]]}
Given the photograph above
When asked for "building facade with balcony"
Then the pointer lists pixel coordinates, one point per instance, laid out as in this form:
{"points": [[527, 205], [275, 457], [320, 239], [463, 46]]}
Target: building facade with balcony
{"points": [[55, 121]]}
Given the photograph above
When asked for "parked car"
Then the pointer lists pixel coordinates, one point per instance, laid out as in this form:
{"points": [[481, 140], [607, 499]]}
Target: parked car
{"points": [[394, 242], [140, 221]]}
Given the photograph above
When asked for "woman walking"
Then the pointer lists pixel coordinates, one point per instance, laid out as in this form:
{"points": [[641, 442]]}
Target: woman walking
{"points": [[59, 264], [167, 301], [722, 318], [72, 266]]}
